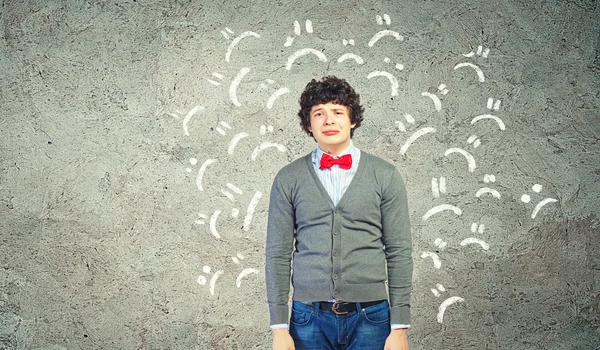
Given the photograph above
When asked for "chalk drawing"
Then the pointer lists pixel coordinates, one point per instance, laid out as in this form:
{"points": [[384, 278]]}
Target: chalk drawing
{"points": [[202, 280], [201, 218], [437, 262], [266, 145], [438, 288], [275, 95], [398, 66], [250, 211], [470, 159], [486, 190], [264, 129], [444, 306], [440, 208], [480, 52], [477, 228], [219, 76], [303, 52], [489, 116], [187, 118], [234, 141], [438, 187], [392, 79], [409, 119], [436, 100], [234, 85], [213, 224], [537, 188], [491, 105], [348, 56], [414, 137], [236, 40], [379, 19], [474, 141], [478, 70], [229, 194], [440, 243], [472, 240], [382, 34], [201, 172], [297, 31]]}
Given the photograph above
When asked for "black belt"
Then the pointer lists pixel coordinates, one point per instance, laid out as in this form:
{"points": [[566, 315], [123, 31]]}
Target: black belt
{"points": [[342, 308]]}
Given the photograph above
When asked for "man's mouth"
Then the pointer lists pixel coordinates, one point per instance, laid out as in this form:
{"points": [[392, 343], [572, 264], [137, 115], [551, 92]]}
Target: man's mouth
{"points": [[330, 132]]}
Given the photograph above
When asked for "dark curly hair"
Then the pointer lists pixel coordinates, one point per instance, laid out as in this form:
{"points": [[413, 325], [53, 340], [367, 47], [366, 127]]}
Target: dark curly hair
{"points": [[330, 89]]}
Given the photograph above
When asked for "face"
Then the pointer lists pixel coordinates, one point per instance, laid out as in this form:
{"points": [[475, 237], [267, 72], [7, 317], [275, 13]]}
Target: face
{"points": [[330, 125]]}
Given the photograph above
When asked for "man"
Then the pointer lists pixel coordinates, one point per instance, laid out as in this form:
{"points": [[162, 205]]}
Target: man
{"points": [[343, 213]]}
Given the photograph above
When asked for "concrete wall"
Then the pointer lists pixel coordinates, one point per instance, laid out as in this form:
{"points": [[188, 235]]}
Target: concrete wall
{"points": [[140, 139]]}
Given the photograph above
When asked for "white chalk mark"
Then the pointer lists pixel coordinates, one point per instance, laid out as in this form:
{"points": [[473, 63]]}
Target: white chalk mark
{"points": [[414, 138], [409, 118], [472, 240], [387, 60], [201, 173], [221, 131], [399, 66], [234, 188], [537, 188], [387, 19], [193, 161], [239, 255], [384, 33], [213, 224], [391, 78], [525, 198], [440, 287], [235, 212], [228, 195], [189, 116], [214, 82], [213, 281], [219, 75], [436, 100], [467, 155], [489, 178], [276, 95], [309, 26], [266, 145], [288, 41], [444, 306], [473, 140], [296, 27], [491, 105], [474, 228], [489, 116], [540, 205], [270, 128], [234, 85], [437, 188], [244, 273], [237, 40], [201, 280], [435, 292], [201, 218], [441, 208], [440, 243], [437, 263], [401, 126], [485, 190], [206, 269], [304, 52], [251, 209], [497, 105], [379, 20], [477, 69], [234, 141], [348, 56], [235, 260]]}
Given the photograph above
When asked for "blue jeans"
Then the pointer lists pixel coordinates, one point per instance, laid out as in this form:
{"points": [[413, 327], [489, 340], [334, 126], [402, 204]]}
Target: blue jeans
{"points": [[366, 329]]}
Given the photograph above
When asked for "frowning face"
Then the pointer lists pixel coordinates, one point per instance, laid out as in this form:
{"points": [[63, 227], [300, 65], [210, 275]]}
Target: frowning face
{"points": [[330, 125]]}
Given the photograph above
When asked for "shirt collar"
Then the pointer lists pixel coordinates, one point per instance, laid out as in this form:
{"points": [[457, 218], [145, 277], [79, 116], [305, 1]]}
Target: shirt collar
{"points": [[349, 150]]}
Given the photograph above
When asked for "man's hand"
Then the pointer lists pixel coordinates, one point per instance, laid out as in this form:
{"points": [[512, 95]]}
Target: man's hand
{"points": [[282, 340], [397, 340]]}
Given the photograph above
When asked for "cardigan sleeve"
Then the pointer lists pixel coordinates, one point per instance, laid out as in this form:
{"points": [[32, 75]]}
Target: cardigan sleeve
{"points": [[278, 251], [398, 247]]}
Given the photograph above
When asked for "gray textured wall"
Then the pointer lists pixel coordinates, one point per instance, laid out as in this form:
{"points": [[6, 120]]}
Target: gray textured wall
{"points": [[137, 157]]}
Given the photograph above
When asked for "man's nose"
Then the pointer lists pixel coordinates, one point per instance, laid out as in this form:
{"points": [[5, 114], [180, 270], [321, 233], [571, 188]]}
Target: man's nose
{"points": [[328, 118]]}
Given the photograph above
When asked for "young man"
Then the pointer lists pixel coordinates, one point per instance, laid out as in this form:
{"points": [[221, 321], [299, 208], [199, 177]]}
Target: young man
{"points": [[343, 214]]}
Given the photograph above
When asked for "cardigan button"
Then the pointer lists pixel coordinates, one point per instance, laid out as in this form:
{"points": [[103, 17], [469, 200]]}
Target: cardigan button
{"points": [[335, 253], [336, 232]]}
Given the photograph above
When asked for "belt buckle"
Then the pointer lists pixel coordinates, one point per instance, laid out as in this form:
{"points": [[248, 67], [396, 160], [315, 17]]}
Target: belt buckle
{"points": [[333, 308]]}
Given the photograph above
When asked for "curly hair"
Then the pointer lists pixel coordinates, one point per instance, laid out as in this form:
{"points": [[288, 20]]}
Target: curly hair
{"points": [[330, 89]]}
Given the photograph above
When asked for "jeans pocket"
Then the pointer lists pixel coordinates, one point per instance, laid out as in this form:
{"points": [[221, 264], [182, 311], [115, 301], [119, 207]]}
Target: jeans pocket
{"points": [[300, 317], [377, 313]]}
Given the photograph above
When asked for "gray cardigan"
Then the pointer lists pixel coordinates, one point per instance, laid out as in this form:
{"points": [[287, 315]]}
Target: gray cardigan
{"points": [[340, 252]]}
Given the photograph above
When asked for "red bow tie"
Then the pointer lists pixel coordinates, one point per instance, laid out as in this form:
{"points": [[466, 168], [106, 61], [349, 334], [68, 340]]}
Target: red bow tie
{"points": [[345, 161]]}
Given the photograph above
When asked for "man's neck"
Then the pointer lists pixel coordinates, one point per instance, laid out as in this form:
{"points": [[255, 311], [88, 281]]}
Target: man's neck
{"points": [[335, 150]]}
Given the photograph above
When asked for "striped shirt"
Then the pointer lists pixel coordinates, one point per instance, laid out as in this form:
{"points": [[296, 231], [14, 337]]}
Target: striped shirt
{"points": [[335, 179]]}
